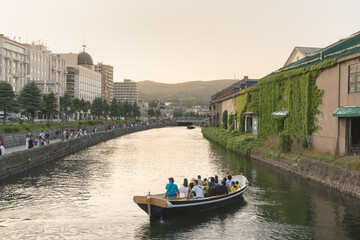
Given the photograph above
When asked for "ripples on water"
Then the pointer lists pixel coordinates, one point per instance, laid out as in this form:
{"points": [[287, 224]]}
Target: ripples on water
{"points": [[88, 195]]}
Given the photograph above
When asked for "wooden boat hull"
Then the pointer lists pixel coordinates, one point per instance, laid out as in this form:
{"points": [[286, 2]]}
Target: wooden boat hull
{"points": [[156, 207]]}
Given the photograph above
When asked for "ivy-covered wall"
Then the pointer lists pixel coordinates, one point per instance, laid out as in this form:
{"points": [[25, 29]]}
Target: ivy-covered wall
{"points": [[297, 92]]}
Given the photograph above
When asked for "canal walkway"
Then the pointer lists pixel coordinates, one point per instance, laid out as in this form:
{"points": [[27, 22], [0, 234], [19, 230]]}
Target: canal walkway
{"points": [[23, 147]]}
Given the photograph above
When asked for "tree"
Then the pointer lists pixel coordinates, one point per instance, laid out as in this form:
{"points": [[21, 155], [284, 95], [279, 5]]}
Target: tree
{"points": [[7, 98], [50, 105], [158, 113], [151, 112], [97, 107], [136, 110], [66, 104], [77, 107], [225, 119], [153, 103], [114, 109], [121, 109], [30, 99], [106, 108], [177, 114], [127, 109]]}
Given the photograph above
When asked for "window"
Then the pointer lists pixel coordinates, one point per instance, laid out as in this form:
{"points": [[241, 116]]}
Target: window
{"points": [[354, 78]]}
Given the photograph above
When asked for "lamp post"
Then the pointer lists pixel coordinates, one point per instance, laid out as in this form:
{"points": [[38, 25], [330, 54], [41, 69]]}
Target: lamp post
{"points": [[63, 115]]}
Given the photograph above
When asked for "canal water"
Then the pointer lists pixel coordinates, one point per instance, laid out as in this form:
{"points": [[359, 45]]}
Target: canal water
{"points": [[88, 195]]}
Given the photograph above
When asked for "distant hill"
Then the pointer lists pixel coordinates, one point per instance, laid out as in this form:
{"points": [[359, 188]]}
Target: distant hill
{"points": [[187, 93]]}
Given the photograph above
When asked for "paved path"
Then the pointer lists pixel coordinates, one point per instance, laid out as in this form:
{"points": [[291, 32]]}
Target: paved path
{"points": [[22, 147]]}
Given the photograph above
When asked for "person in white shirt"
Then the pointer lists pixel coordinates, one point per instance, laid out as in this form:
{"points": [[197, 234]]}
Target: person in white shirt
{"points": [[201, 182], [2, 149], [197, 189], [184, 189]]}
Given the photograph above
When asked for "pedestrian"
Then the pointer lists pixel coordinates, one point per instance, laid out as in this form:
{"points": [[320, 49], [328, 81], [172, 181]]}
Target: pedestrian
{"points": [[47, 137], [67, 134], [42, 135], [27, 141], [31, 142], [2, 149]]}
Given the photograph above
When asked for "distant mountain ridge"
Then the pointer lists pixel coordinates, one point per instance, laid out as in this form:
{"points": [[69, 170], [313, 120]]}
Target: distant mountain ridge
{"points": [[196, 92]]}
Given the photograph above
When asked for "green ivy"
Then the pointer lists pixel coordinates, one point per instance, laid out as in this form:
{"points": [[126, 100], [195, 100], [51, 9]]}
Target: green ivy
{"points": [[225, 119], [297, 92]]}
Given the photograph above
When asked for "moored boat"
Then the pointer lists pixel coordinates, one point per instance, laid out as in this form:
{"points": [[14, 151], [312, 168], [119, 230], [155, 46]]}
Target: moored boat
{"points": [[156, 206], [190, 126]]}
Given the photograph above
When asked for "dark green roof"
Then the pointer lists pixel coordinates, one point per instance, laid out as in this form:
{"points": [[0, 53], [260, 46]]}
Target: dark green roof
{"points": [[349, 111], [341, 48]]}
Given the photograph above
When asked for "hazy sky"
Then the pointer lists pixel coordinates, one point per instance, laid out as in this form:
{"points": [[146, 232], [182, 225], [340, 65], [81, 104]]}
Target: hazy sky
{"points": [[182, 40]]}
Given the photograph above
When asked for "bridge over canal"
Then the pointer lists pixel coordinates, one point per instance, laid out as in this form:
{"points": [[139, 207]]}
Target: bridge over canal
{"points": [[191, 121]]}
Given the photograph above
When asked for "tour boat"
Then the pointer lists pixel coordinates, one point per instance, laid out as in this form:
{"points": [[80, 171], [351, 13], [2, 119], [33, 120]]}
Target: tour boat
{"points": [[190, 127], [158, 207]]}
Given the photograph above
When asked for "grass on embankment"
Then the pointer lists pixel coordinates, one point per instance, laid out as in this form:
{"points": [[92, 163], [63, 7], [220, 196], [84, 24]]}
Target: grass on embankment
{"points": [[247, 144], [26, 127]]}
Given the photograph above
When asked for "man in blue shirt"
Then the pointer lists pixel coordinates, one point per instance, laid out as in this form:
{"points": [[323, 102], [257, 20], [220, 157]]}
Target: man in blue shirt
{"points": [[171, 189]]}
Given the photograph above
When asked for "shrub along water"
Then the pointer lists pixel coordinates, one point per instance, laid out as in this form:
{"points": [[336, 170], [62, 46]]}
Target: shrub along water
{"points": [[233, 140]]}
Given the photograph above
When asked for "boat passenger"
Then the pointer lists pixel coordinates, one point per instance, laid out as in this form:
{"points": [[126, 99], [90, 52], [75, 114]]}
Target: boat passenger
{"points": [[212, 180], [216, 180], [197, 189], [211, 190], [237, 184], [184, 189], [171, 189], [228, 181], [233, 187], [222, 189], [204, 187], [191, 185], [201, 182]]}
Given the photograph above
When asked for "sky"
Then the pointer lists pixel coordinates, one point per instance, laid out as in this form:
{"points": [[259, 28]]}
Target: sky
{"points": [[172, 41]]}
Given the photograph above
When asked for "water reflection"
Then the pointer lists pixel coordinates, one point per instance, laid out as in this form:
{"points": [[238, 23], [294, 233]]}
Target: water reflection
{"points": [[88, 195]]}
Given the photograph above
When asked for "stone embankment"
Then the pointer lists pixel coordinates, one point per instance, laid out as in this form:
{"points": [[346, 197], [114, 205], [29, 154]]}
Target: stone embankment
{"points": [[16, 162], [334, 177]]}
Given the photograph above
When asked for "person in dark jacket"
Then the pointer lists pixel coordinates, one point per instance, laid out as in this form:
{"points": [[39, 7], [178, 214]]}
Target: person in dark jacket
{"points": [[222, 189], [211, 190]]}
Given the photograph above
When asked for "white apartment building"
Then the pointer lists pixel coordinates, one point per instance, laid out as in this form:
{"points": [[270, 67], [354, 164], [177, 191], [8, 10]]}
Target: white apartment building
{"points": [[81, 81], [47, 70], [13, 63], [126, 91]]}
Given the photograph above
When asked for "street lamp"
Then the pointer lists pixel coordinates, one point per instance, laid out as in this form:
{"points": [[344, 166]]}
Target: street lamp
{"points": [[63, 115]]}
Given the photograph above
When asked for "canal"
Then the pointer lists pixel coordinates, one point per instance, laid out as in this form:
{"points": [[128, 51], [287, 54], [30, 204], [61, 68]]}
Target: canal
{"points": [[88, 195]]}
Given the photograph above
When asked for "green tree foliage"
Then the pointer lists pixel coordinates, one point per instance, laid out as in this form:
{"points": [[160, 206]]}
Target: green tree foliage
{"points": [[77, 106], [121, 109], [106, 107], [97, 107], [114, 108], [127, 109], [50, 105], [66, 105], [178, 114], [151, 112], [153, 103], [30, 99], [136, 110], [7, 98], [158, 113], [225, 119]]}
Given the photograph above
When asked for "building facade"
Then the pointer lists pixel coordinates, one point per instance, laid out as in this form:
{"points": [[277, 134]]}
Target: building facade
{"points": [[126, 91], [107, 80], [225, 100], [82, 81], [13, 63], [47, 70]]}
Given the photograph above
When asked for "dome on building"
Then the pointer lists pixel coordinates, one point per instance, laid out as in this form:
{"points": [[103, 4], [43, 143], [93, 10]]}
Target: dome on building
{"points": [[84, 58]]}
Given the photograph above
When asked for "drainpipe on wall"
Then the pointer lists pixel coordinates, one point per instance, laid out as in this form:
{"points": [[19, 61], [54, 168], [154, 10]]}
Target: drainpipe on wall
{"points": [[338, 132]]}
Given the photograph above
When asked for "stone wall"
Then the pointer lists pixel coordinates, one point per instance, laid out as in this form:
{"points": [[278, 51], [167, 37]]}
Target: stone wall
{"points": [[18, 139], [334, 177], [16, 162]]}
